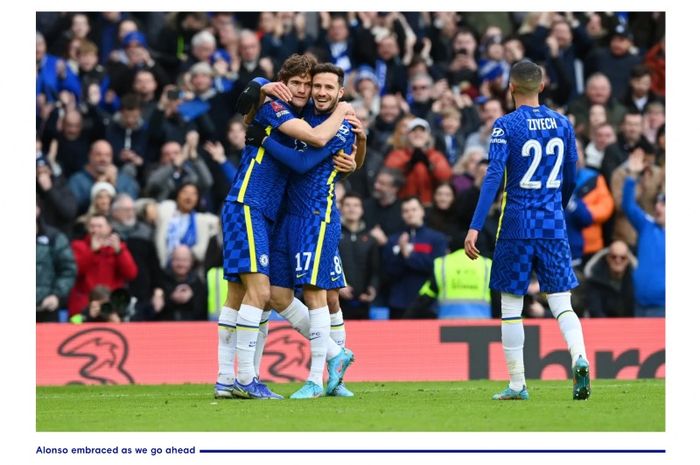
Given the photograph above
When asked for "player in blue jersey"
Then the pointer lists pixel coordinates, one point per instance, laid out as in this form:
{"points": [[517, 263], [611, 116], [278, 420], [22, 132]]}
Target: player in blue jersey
{"points": [[536, 149], [307, 243], [248, 216]]}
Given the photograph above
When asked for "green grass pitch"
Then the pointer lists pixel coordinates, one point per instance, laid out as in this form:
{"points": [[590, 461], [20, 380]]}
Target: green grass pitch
{"points": [[615, 405]]}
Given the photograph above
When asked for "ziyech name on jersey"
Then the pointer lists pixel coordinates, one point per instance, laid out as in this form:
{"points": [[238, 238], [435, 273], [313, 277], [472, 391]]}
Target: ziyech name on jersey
{"points": [[541, 123]]}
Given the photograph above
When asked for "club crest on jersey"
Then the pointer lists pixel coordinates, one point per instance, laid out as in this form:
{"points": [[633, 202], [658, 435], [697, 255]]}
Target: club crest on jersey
{"points": [[264, 260], [279, 109], [300, 145]]}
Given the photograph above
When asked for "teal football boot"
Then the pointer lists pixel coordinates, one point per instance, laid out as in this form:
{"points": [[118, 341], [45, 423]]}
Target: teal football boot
{"points": [[341, 391], [309, 390], [582, 379], [509, 394], [337, 367]]}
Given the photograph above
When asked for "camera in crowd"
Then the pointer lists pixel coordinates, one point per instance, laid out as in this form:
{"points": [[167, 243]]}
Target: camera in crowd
{"points": [[173, 94], [108, 306]]}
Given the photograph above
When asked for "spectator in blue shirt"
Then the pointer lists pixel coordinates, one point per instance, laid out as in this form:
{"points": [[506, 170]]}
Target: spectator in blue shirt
{"points": [[52, 75], [650, 275], [407, 257]]}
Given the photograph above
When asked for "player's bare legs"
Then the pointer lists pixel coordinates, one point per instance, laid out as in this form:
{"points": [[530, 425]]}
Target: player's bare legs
{"points": [[235, 294], [227, 339]]}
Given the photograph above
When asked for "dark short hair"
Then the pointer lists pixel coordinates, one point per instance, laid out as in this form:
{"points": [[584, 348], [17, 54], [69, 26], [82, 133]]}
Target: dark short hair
{"points": [[329, 68], [100, 215], [146, 71], [396, 174], [185, 184], [449, 185], [296, 65], [410, 199], [99, 292], [526, 77], [351, 195], [639, 70], [234, 120], [337, 16], [131, 102]]}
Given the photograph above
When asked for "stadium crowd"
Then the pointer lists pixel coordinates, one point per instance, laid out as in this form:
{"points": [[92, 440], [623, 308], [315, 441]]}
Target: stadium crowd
{"points": [[137, 143]]}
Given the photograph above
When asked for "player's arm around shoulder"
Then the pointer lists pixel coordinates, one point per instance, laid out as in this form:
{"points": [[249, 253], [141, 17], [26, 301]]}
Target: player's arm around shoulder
{"points": [[321, 134]]}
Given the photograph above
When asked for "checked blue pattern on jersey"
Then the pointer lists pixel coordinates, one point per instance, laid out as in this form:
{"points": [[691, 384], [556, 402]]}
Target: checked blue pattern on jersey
{"points": [[534, 154]]}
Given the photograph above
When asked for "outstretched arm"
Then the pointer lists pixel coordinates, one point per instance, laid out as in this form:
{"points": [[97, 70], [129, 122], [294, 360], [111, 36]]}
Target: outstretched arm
{"points": [[634, 212]]}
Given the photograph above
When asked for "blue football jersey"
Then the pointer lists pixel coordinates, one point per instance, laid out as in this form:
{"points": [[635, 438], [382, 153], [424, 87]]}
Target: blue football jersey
{"points": [[313, 193], [261, 181], [534, 143]]}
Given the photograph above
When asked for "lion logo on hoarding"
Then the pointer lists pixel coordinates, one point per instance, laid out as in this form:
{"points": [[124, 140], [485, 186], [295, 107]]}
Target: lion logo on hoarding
{"points": [[106, 350], [286, 357]]}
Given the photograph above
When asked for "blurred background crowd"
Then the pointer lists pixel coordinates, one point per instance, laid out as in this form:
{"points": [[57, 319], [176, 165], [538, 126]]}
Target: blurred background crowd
{"points": [[137, 143]]}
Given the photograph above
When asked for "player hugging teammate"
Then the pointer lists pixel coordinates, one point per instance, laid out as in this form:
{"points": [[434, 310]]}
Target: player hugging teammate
{"points": [[282, 228]]}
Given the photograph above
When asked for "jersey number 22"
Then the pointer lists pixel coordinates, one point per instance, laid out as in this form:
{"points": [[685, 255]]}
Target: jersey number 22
{"points": [[534, 147]]}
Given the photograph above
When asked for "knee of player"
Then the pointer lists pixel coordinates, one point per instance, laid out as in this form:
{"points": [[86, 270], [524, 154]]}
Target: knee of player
{"points": [[280, 298], [314, 297], [234, 295], [259, 296], [333, 298]]}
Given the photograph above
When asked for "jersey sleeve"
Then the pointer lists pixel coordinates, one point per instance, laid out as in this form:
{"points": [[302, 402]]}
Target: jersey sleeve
{"points": [[569, 169], [274, 113], [498, 148], [342, 140], [489, 191], [299, 162], [571, 152]]}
